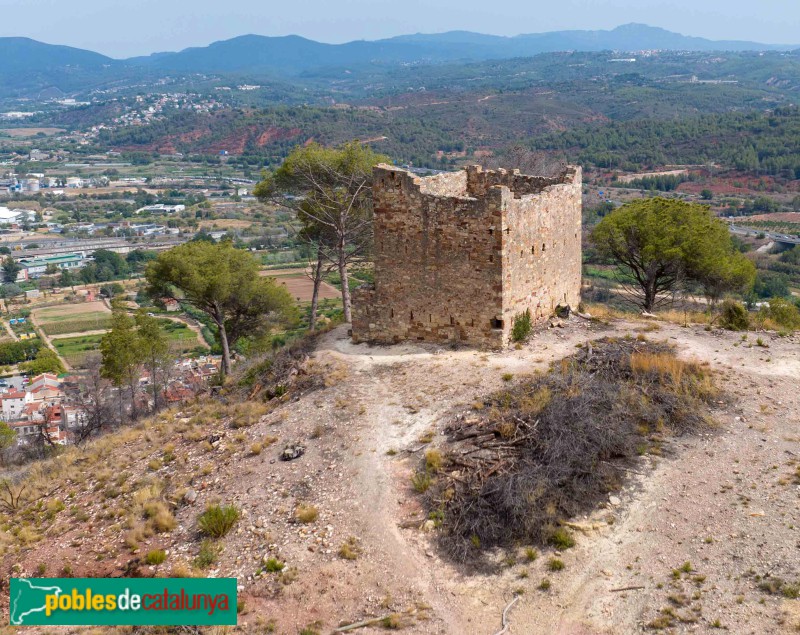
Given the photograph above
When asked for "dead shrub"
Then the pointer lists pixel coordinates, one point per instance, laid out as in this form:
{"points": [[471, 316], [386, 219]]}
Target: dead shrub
{"points": [[555, 445]]}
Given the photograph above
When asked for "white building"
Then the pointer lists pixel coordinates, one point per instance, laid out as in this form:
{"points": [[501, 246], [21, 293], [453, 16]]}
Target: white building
{"points": [[160, 208], [12, 216], [13, 404]]}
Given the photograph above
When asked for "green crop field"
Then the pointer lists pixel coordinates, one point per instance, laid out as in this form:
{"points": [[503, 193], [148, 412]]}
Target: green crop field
{"points": [[181, 337], [75, 350], [96, 322]]}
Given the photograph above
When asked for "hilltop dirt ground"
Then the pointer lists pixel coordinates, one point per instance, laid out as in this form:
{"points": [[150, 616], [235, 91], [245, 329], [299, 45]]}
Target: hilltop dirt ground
{"points": [[725, 502]]}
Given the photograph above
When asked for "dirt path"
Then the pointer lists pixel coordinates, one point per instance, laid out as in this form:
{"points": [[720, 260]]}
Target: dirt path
{"points": [[725, 502], [48, 340], [10, 331]]}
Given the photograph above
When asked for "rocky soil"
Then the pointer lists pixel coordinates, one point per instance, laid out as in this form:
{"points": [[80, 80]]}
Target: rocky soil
{"points": [[683, 548]]}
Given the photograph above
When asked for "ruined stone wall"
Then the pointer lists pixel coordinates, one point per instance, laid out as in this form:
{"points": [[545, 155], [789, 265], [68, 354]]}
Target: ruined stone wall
{"points": [[437, 262], [479, 181], [542, 250], [459, 255]]}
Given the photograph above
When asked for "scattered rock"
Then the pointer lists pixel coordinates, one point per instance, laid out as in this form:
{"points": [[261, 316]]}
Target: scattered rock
{"points": [[291, 452], [190, 496]]}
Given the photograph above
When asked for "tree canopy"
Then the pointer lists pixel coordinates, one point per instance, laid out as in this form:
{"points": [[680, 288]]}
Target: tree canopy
{"points": [[664, 244], [332, 197], [224, 283]]}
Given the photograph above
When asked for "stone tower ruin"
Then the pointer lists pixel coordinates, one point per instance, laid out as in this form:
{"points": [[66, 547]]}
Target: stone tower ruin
{"points": [[459, 255]]}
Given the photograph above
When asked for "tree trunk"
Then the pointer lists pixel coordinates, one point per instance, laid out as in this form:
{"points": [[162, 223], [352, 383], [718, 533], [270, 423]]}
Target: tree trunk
{"points": [[226, 351], [133, 383], [649, 297], [345, 282], [154, 382], [312, 322]]}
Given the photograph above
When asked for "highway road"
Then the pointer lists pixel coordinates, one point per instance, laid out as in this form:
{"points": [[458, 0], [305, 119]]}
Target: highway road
{"points": [[786, 239]]}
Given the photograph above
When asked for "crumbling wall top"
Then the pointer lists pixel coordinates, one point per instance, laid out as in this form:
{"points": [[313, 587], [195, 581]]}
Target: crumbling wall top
{"points": [[480, 180], [473, 181]]}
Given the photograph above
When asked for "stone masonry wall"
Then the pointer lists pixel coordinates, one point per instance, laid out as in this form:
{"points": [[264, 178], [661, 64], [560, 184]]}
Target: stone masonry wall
{"points": [[458, 255], [542, 250]]}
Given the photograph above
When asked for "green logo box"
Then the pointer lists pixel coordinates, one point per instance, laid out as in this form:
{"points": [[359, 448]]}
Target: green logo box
{"points": [[123, 601]]}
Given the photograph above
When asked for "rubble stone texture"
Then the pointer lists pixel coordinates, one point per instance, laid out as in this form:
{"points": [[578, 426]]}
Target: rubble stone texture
{"points": [[459, 255]]}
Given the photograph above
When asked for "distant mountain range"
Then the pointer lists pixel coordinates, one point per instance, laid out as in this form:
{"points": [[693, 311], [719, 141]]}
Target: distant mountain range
{"points": [[26, 63]]}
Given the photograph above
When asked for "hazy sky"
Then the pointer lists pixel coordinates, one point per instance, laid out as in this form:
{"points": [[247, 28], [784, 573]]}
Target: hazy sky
{"points": [[122, 28]]}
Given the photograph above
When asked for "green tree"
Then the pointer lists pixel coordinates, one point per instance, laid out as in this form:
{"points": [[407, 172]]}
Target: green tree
{"points": [[8, 439], [154, 353], [225, 284], [10, 291], [333, 201], [46, 361], [662, 244], [11, 269], [122, 356]]}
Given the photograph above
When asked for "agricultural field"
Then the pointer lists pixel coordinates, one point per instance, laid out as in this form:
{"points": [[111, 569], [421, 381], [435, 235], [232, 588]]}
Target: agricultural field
{"points": [[75, 350], [30, 132], [300, 286], [73, 318], [181, 337], [779, 222]]}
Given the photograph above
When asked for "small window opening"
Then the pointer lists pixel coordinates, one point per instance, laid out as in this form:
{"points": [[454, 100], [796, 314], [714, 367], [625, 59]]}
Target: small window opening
{"points": [[412, 316], [533, 250], [391, 313], [543, 247], [497, 323], [491, 258], [452, 321]]}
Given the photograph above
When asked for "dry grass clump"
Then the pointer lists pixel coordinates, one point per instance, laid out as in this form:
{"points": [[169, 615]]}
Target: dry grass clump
{"points": [[555, 445], [350, 549], [306, 513], [159, 516], [247, 413], [677, 316]]}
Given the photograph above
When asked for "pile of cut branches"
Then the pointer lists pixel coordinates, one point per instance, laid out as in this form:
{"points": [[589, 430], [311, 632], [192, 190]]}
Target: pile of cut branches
{"points": [[528, 458]]}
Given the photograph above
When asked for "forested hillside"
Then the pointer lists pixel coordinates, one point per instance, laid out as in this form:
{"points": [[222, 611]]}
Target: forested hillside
{"points": [[765, 142], [754, 141]]}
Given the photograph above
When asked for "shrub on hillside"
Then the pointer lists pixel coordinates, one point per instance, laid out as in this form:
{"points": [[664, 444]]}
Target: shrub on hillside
{"points": [[217, 520], [734, 316], [522, 326], [780, 313]]}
